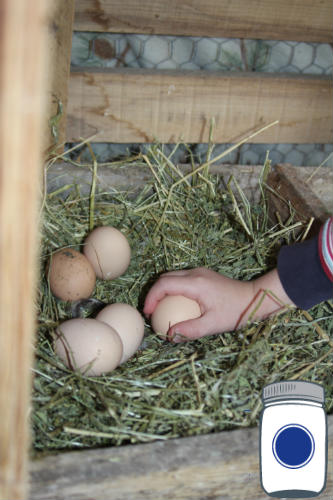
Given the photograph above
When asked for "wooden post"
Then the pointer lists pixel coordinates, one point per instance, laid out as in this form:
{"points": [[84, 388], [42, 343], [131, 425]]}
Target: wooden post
{"points": [[59, 44], [22, 87]]}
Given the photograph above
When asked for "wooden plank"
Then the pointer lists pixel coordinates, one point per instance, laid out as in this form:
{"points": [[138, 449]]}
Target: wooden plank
{"points": [[129, 105], [303, 20], [135, 177], [317, 196], [223, 466], [291, 188], [59, 43], [22, 70]]}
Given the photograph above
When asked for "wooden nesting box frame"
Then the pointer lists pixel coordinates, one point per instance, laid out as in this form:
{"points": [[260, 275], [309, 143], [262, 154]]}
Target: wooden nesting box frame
{"points": [[130, 105], [123, 105]]}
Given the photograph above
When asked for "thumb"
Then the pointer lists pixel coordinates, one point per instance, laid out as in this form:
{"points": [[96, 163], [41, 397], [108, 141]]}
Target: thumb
{"points": [[188, 330]]}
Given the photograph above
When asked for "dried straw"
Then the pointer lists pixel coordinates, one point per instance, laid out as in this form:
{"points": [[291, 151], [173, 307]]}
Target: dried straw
{"points": [[165, 391]]}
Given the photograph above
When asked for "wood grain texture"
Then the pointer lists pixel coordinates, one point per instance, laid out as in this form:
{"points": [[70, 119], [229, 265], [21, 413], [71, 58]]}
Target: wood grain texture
{"points": [[133, 178], [129, 105], [222, 466], [290, 188], [303, 20], [59, 43], [22, 71]]}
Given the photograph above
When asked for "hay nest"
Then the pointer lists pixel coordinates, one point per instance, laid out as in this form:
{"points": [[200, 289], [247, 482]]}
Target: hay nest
{"points": [[166, 391]]}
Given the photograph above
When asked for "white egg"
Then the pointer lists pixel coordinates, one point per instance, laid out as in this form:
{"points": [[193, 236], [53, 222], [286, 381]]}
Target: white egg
{"points": [[129, 324], [173, 309], [88, 345], [108, 251]]}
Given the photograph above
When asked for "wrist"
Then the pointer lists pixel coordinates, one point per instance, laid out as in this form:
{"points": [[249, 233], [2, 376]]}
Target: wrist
{"points": [[269, 290], [268, 297]]}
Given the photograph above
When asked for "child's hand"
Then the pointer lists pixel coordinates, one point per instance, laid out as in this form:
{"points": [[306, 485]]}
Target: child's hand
{"points": [[225, 303]]}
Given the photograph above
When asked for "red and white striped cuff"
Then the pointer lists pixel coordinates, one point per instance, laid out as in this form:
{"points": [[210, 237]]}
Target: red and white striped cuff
{"points": [[325, 247]]}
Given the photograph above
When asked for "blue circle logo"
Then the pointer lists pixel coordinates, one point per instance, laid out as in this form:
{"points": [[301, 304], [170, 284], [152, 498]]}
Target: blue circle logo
{"points": [[293, 446]]}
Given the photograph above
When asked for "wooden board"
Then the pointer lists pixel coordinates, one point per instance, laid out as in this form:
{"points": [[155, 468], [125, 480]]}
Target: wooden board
{"points": [[129, 105], [222, 466], [290, 187], [317, 197], [303, 20], [22, 70], [135, 177], [59, 43]]}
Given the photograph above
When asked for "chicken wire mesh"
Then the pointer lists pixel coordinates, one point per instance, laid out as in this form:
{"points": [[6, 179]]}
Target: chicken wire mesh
{"points": [[107, 50]]}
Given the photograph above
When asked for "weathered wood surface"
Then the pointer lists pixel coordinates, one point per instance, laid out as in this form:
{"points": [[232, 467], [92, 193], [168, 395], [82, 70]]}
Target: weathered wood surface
{"points": [[22, 70], [222, 466], [58, 46], [129, 105], [291, 188], [134, 177], [303, 20], [318, 195]]}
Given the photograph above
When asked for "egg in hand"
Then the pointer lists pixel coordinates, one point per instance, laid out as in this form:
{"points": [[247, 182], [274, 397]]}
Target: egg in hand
{"points": [[173, 309]]}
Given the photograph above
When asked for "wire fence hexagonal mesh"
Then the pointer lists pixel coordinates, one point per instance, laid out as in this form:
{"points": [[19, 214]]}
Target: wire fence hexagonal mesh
{"points": [[107, 50]]}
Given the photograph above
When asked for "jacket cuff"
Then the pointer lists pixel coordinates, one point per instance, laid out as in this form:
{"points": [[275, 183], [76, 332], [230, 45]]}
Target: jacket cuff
{"points": [[302, 275]]}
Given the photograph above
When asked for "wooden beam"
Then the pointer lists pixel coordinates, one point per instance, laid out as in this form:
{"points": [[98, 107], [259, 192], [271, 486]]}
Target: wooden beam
{"points": [[316, 195], [22, 71], [303, 20], [290, 188], [222, 466], [129, 105], [59, 43]]}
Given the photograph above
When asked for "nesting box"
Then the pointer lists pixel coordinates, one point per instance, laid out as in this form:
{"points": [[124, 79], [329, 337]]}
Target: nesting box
{"points": [[123, 106]]}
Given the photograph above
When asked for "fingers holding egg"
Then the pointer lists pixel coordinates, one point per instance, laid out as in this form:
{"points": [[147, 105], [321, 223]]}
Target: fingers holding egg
{"points": [[173, 309], [169, 284], [190, 329]]}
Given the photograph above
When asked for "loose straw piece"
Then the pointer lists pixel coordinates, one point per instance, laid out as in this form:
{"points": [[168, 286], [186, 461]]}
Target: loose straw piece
{"points": [[92, 189], [316, 170], [318, 328], [208, 163], [171, 367], [308, 227], [311, 365]]}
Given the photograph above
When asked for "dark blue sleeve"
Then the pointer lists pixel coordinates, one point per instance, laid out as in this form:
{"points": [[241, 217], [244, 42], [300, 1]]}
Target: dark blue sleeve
{"points": [[302, 275]]}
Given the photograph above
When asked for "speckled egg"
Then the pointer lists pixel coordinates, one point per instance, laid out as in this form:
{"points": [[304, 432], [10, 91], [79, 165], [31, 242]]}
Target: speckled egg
{"points": [[70, 274]]}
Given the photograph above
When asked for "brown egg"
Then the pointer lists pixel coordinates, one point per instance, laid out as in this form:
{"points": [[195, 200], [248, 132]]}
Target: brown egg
{"points": [[70, 274], [88, 345], [128, 323], [108, 252], [173, 309]]}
